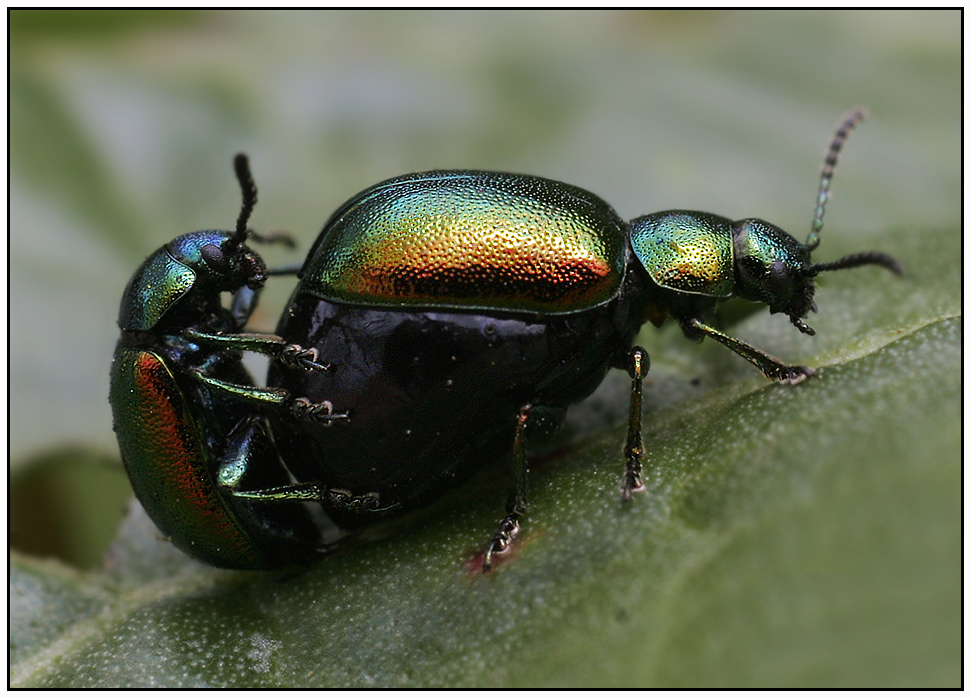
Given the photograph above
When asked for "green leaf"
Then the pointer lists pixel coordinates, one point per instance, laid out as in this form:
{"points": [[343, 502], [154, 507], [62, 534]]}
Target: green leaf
{"points": [[803, 535], [806, 536]]}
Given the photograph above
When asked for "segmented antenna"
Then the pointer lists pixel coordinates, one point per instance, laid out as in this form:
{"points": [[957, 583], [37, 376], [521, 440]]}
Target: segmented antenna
{"points": [[858, 260], [246, 183], [850, 122]]}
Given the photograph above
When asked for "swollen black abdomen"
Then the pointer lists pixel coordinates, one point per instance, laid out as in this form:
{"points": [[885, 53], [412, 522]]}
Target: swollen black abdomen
{"points": [[430, 395]]}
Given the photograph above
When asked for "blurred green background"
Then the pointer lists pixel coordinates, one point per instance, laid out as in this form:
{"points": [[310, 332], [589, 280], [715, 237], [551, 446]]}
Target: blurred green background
{"points": [[123, 126]]}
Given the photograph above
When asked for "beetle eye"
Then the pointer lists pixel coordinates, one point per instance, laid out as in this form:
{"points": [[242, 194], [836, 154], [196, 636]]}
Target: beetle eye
{"points": [[778, 277], [214, 257]]}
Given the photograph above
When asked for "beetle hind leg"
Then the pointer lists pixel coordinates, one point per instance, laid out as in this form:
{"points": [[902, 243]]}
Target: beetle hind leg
{"points": [[639, 365], [248, 447], [516, 507]]}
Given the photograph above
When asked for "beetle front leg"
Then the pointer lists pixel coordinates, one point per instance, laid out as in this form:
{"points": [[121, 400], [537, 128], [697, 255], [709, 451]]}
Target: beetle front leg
{"points": [[771, 367]]}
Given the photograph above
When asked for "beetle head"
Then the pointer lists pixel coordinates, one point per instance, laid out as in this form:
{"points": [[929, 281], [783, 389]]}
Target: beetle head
{"points": [[774, 268], [222, 261]]}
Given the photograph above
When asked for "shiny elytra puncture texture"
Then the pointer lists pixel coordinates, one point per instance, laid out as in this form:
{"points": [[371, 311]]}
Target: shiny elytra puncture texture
{"points": [[471, 240]]}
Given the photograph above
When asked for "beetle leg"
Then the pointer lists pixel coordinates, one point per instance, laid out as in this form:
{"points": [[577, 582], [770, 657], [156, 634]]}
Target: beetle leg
{"points": [[295, 356], [290, 355], [771, 367], [277, 398], [640, 364], [303, 408], [516, 508], [304, 492], [244, 301], [367, 503], [243, 304], [248, 444]]}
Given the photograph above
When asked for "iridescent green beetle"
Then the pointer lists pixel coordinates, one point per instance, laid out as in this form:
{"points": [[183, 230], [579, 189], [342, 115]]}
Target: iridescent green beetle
{"points": [[191, 425], [692, 256], [462, 307]]}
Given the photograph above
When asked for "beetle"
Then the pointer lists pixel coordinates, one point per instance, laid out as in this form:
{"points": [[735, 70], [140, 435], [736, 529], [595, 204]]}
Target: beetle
{"points": [[463, 309], [191, 425]]}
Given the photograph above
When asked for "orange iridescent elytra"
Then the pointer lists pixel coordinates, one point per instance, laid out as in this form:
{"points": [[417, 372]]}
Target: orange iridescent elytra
{"points": [[466, 240]]}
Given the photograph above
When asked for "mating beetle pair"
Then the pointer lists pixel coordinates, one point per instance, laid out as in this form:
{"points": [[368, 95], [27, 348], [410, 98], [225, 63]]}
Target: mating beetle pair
{"points": [[438, 319]]}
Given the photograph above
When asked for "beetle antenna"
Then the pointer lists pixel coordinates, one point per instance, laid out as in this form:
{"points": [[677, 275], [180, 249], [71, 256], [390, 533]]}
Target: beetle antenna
{"points": [[246, 183], [850, 122], [802, 326], [860, 259]]}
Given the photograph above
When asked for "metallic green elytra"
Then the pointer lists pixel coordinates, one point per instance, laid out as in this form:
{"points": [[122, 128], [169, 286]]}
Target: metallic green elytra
{"points": [[470, 240], [164, 443]]}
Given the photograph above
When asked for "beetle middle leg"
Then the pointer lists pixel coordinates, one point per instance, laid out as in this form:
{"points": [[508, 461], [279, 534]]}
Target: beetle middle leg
{"points": [[250, 445], [275, 399]]}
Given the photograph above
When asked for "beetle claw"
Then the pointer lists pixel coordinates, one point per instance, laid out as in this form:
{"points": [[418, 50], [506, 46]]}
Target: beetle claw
{"points": [[499, 546], [304, 409], [791, 375], [633, 482], [295, 356]]}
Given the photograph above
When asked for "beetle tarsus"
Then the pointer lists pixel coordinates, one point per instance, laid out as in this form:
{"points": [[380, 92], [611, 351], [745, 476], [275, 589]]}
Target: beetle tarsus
{"points": [[792, 375], [323, 411], [508, 528], [296, 356], [633, 480]]}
